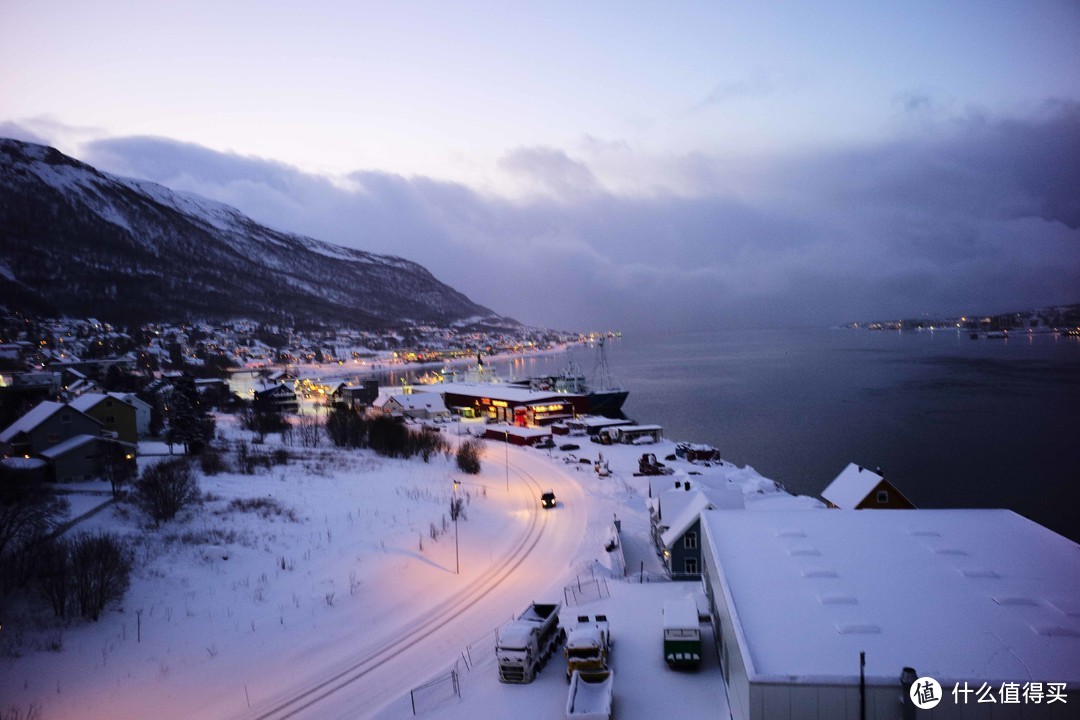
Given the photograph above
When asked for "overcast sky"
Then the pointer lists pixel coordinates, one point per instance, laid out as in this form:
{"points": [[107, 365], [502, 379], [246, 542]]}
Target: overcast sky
{"points": [[594, 165]]}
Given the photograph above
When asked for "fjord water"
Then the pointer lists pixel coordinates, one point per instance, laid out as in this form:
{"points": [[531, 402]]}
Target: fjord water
{"points": [[952, 422]]}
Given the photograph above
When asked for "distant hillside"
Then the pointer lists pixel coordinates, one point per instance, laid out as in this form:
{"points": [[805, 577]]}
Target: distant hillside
{"points": [[76, 241]]}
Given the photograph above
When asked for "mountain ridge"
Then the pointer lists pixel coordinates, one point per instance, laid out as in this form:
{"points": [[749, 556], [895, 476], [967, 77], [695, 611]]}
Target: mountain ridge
{"points": [[76, 240]]}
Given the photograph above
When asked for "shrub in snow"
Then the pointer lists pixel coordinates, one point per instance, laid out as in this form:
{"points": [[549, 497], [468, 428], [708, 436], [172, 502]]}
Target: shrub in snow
{"points": [[468, 457], [84, 574], [29, 512], [211, 462], [166, 488]]}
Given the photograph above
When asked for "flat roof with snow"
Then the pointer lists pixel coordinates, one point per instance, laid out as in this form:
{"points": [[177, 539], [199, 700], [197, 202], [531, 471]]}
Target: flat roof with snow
{"points": [[494, 391], [959, 595]]}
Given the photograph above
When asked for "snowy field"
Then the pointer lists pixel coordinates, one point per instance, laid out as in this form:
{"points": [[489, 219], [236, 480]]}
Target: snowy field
{"points": [[329, 588]]}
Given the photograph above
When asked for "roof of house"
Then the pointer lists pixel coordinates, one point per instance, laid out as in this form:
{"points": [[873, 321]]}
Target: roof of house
{"points": [[68, 445], [419, 401], [701, 499], [494, 391], [959, 595], [851, 486], [87, 401], [37, 415]]}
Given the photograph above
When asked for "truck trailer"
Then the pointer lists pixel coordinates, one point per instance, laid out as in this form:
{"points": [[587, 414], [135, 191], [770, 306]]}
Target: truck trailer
{"points": [[682, 634], [588, 645], [525, 644]]}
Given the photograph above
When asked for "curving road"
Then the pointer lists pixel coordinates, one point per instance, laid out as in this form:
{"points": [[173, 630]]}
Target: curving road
{"points": [[534, 565]]}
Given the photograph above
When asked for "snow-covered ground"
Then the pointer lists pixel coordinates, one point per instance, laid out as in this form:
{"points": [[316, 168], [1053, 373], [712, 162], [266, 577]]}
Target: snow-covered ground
{"points": [[340, 593]]}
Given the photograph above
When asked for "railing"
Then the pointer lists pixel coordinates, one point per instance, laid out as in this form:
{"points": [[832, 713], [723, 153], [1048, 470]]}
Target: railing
{"points": [[435, 692]]}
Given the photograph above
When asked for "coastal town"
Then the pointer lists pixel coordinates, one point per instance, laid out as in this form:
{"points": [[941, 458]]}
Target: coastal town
{"points": [[787, 610]]}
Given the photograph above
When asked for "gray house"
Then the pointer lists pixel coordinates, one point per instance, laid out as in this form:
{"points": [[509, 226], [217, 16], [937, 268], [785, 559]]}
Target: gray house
{"points": [[676, 524], [48, 424]]}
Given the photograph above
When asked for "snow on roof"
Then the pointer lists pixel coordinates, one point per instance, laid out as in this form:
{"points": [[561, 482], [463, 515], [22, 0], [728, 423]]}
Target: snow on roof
{"points": [[851, 486], [495, 391], [68, 445], [497, 430], [37, 415], [87, 401], [703, 499], [419, 401], [959, 595], [680, 613], [687, 516]]}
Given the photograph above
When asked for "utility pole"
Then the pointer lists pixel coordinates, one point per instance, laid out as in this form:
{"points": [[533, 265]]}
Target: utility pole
{"points": [[455, 510]]}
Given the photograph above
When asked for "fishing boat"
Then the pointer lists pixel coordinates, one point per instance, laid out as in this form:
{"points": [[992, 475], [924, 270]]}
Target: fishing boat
{"points": [[605, 396]]}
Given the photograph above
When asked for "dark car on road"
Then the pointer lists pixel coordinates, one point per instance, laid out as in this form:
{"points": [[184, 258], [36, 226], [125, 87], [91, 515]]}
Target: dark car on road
{"points": [[547, 500]]}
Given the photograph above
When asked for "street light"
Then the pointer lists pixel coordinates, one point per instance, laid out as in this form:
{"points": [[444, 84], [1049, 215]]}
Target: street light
{"points": [[506, 449], [455, 510]]}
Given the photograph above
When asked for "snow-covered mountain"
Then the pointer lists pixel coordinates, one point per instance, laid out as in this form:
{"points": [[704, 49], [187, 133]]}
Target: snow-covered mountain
{"points": [[77, 241]]}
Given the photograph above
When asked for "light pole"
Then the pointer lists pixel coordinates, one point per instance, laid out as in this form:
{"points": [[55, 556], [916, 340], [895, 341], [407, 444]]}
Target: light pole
{"points": [[506, 449], [455, 511]]}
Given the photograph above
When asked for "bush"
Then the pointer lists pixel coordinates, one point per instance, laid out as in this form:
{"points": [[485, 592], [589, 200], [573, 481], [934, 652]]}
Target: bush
{"points": [[84, 574], [468, 457], [29, 512], [101, 569], [166, 488], [211, 462]]}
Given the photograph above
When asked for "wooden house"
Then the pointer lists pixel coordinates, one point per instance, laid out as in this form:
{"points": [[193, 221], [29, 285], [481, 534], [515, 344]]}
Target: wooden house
{"points": [[857, 488]]}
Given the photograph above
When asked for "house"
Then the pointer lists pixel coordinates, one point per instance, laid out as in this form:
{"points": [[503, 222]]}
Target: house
{"points": [[281, 398], [857, 488], [82, 457], [356, 397], [47, 424], [420, 406], [142, 411], [970, 598], [115, 415], [675, 519], [213, 391]]}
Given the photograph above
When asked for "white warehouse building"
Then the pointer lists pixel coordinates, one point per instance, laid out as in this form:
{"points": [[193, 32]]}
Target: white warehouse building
{"points": [[979, 600]]}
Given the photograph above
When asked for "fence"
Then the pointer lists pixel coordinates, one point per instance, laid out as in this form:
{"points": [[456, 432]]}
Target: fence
{"points": [[585, 590], [434, 693]]}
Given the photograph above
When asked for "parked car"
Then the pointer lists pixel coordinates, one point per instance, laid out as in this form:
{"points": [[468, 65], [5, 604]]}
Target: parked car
{"points": [[569, 446]]}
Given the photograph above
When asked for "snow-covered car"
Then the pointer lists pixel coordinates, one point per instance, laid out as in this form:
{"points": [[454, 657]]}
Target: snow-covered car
{"points": [[547, 500]]}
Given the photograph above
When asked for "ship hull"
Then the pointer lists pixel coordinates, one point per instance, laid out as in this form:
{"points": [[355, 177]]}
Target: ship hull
{"points": [[607, 401]]}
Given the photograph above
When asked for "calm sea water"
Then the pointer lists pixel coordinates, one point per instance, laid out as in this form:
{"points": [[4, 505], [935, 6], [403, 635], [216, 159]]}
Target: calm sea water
{"points": [[952, 422]]}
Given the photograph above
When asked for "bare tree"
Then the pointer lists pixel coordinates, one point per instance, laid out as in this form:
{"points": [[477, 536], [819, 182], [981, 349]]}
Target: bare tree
{"points": [[29, 512], [100, 569], [166, 488]]}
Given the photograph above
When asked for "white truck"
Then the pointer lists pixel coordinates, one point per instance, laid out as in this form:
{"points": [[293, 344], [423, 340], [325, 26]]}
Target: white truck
{"points": [[525, 644], [590, 696], [588, 645]]}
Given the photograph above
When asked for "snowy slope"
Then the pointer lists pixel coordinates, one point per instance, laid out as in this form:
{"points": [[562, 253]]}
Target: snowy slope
{"points": [[74, 238]]}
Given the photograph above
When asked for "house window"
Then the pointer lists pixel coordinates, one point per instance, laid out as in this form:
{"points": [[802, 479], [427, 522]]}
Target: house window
{"points": [[108, 403], [110, 420], [65, 417], [53, 438], [690, 541], [691, 566], [882, 497]]}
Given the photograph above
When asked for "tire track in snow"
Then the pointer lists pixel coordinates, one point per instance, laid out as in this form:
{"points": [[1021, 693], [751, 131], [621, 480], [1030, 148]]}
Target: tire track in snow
{"points": [[487, 583]]}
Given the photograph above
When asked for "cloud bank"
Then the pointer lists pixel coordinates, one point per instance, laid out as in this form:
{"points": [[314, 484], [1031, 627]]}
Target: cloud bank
{"points": [[978, 213]]}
